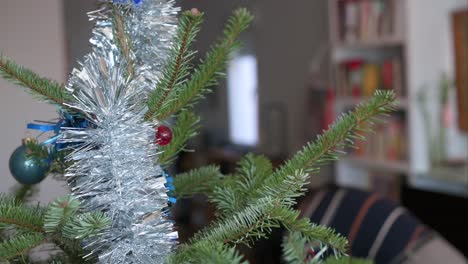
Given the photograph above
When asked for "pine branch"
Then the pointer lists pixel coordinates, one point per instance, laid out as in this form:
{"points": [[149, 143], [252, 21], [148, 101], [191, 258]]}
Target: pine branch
{"points": [[250, 175], [245, 222], [178, 66], [20, 245], [253, 170], [45, 154], [185, 128], [270, 206], [245, 226], [313, 233], [86, 225], [45, 89], [288, 182], [235, 195], [39, 153], [207, 73], [13, 213], [59, 214], [331, 144], [201, 180], [282, 198], [60, 224], [209, 253], [294, 248]]}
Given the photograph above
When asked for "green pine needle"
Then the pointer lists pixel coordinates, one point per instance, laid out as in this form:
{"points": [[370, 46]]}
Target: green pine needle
{"points": [[86, 225], [201, 180], [184, 129], [178, 65], [314, 233], [19, 245], [294, 248], [14, 213], [229, 194], [39, 153], [331, 144], [42, 88], [252, 203], [209, 253], [244, 226], [206, 74], [59, 213], [60, 223]]}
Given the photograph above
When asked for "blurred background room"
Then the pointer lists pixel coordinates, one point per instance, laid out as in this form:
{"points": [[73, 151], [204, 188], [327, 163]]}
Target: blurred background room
{"points": [[302, 64]]}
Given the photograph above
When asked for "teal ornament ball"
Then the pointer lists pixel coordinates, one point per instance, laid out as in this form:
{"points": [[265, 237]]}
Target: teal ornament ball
{"points": [[25, 170]]}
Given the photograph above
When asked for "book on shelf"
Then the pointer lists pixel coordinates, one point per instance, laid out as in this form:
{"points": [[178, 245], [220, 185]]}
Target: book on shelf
{"points": [[360, 78], [386, 143], [366, 20]]}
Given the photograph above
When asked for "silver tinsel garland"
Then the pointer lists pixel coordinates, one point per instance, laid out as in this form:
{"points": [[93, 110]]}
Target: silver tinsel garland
{"points": [[152, 48], [115, 166]]}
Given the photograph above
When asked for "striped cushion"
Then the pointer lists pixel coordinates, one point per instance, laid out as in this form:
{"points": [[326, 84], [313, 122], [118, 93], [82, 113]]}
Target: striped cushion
{"points": [[375, 227]]}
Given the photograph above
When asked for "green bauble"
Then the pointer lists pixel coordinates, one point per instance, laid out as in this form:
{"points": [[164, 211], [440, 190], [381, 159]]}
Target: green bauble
{"points": [[25, 170]]}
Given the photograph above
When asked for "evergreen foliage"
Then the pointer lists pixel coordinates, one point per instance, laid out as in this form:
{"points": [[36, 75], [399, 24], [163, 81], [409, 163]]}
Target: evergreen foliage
{"points": [[20, 245], [13, 213], [257, 198], [186, 127], [205, 75], [208, 252], [250, 202], [41, 153], [178, 66], [297, 250], [42, 88], [60, 223], [202, 180]]}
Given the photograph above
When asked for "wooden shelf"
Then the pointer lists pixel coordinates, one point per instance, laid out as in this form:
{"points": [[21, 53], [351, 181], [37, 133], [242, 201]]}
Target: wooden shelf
{"points": [[386, 42], [388, 166], [435, 184], [419, 54], [348, 102]]}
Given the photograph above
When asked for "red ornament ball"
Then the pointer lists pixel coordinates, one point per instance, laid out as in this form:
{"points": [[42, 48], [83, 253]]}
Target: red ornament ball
{"points": [[163, 135]]}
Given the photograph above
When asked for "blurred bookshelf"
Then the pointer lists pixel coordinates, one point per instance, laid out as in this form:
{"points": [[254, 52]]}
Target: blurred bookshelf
{"points": [[385, 44], [387, 166]]}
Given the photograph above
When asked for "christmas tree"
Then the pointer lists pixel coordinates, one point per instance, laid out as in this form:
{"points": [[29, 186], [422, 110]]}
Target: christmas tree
{"points": [[114, 141]]}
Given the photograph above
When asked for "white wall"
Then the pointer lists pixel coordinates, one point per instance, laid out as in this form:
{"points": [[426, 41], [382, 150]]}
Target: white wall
{"points": [[31, 33], [429, 54], [286, 37]]}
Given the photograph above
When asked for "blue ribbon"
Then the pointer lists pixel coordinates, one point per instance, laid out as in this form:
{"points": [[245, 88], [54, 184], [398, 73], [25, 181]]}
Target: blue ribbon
{"points": [[125, 1], [44, 127], [66, 120], [169, 185]]}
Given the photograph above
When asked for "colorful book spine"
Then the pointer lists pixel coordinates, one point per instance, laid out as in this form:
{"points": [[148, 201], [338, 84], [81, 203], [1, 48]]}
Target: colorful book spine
{"points": [[359, 78], [366, 20]]}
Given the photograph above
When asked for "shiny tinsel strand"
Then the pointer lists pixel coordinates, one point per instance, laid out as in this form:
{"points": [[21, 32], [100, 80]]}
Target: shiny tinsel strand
{"points": [[152, 38], [115, 166]]}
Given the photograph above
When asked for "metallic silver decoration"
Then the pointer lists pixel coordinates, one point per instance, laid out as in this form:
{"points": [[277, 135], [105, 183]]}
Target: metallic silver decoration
{"points": [[115, 166], [151, 29]]}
